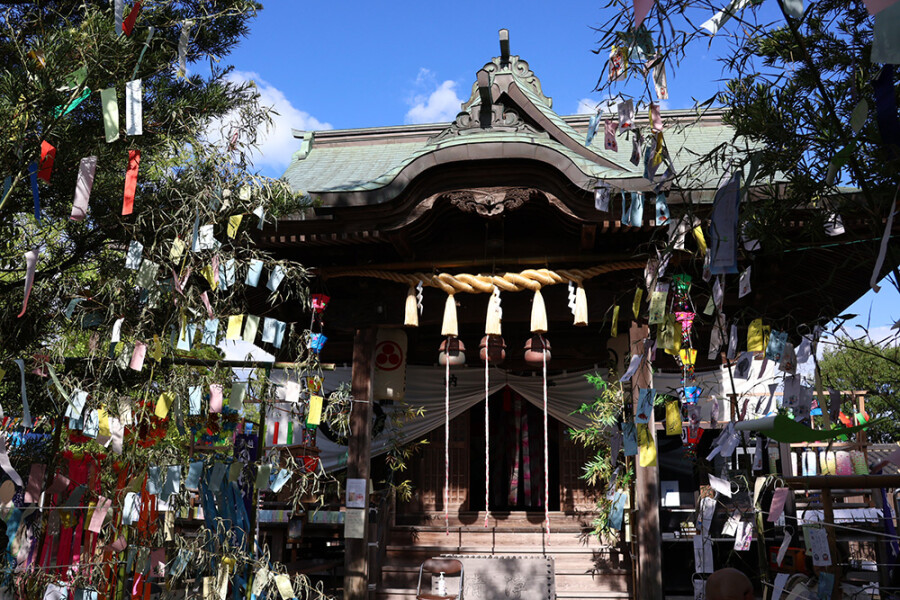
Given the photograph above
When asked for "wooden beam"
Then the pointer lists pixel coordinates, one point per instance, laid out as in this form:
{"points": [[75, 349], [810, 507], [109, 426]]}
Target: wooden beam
{"points": [[358, 456], [588, 236], [649, 539], [504, 46]]}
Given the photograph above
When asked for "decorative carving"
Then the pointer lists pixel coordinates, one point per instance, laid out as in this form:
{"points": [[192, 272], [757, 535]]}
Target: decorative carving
{"points": [[491, 202], [502, 118]]}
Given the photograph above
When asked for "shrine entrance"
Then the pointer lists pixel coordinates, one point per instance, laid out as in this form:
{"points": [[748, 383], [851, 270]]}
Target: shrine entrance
{"points": [[516, 446]]}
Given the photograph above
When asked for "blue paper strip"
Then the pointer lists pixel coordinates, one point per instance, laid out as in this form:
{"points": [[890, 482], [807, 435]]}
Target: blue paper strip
{"points": [[32, 173]]}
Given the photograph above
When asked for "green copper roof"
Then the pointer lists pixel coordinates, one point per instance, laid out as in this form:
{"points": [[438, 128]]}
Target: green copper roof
{"points": [[362, 160]]}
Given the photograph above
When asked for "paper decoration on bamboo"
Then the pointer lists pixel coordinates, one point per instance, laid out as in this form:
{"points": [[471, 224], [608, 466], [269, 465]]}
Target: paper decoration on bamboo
{"points": [[659, 79], [253, 272], [626, 114], [744, 287], [644, 411], [251, 325], [618, 63], [234, 223], [646, 445], [83, 186], [673, 418], [658, 303], [602, 195], [30, 266], [723, 16], [743, 536], [724, 227], [235, 323], [133, 108], [614, 327], [637, 146], [316, 342], [609, 139], [275, 278], [48, 155], [128, 23], [131, 174], [821, 554], [757, 336], [215, 398], [390, 364], [703, 554], [592, 128], [775, 347], [110, 107], [183, 41], [629, 438], [617, 510], [662, 209], [314, 416], [633, 216]]}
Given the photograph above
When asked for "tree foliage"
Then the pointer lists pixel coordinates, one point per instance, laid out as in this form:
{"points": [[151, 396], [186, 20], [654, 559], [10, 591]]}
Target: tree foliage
{"points": [[860, 365], [195, 187]]}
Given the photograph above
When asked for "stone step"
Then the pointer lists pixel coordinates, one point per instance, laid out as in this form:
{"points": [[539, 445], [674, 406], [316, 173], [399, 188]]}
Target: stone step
{"points": [[495, 519], [410, 594]]}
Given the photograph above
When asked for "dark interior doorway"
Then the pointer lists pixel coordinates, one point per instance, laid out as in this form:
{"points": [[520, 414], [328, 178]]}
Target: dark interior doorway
{"points": [[516, 455]]}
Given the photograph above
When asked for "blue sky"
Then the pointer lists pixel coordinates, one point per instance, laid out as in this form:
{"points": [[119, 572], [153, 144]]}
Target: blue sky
{"points": [[325, 65]]}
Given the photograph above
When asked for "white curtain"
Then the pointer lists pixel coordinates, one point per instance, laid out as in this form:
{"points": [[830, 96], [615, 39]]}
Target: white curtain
{"points": [[566, 393]]}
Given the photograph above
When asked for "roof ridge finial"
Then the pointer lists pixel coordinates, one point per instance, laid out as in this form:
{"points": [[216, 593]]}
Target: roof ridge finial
{"points": [[504, 46]]}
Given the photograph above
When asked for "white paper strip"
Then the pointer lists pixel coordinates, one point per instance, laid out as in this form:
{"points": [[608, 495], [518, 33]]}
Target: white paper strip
{"points": [[723, 486], [117, 331], [183, 41], [888, 227], [86, 170], [118, 12], [26, 413], [720, 18], [30, 265], [632, 367], [5, 464], [133, 108], [781, 580]]}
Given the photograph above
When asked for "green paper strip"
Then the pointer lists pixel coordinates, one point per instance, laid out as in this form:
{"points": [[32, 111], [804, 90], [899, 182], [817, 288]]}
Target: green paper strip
{"points": [[58, 111], [110, 113], [788, 431], [143, 51]]}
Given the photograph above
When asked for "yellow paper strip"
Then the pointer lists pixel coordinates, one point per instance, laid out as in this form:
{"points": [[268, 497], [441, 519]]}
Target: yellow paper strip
{"points": [[234, 327], [701, 241], [673, 418], [688, 356], [166, 399], [104, 422], [234, 222], [636, 307], [314, 417], [207, 272], [614, 328], [646, 446], [178, 248]]}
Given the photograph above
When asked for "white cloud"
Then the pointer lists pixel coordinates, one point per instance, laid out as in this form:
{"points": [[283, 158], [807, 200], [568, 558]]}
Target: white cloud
{"points": [[276, 144], [438, 105]]}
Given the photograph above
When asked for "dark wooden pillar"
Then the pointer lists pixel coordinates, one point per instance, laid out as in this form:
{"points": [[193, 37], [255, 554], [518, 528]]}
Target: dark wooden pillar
{"points": [[646, 487], [358, 455]]}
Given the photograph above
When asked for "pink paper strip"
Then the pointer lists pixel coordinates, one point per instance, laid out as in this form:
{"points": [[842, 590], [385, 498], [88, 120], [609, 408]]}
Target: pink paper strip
{"points": [[876, 6], [118, 545], [100, 511], [83, 187], [779, 496], [209, 310], [60, 484], [655, 118], [35, 482], [30, 263], [215, 398], [137, 359], [641, 8]]}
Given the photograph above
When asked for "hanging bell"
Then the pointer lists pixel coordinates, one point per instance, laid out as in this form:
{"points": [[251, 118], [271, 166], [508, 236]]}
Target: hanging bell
{"points": [[536, 348], [492, 349], [452, 351]]}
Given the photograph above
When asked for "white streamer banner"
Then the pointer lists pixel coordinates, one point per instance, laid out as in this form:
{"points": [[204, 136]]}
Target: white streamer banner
{"points": [[133, 108], [6, 465]]}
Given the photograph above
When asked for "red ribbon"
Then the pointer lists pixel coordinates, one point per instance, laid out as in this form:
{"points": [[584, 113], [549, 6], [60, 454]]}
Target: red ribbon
{"points": [[128, 23], [134, 160], [48, 155]]}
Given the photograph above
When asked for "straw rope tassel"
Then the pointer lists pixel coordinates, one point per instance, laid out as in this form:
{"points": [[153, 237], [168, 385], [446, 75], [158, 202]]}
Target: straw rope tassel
{"points": [[450, 327], [581, 306], [546, 450], [538, 313], [487, 439], [447, 443], [411, 318]]}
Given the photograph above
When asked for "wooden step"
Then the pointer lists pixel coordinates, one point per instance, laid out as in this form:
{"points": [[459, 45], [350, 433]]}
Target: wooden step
{"points": [[565, 580], [583, 562], [466, 536], [410, 594], [496, 519]]}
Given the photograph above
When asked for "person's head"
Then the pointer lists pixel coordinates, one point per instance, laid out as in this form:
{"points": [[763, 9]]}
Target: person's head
{"points": [[729, 584]]}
